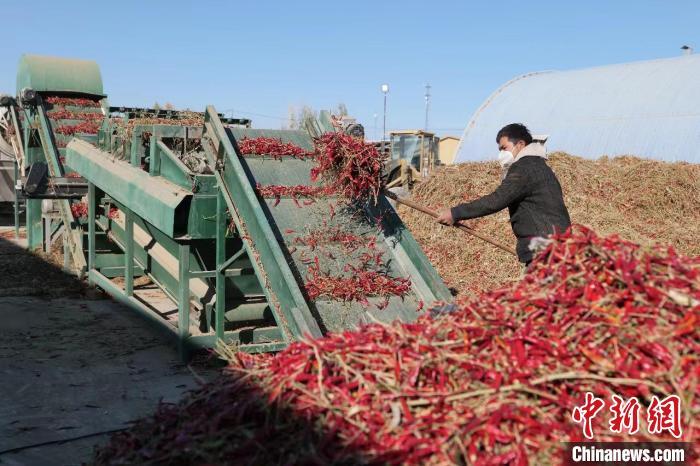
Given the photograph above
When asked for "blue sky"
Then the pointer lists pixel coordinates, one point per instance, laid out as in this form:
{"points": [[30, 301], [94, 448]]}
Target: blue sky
{"points": [[260, 58]]}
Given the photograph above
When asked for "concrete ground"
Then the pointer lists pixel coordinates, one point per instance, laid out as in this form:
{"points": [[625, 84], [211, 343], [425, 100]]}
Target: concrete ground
{"points": [[74, 366]]}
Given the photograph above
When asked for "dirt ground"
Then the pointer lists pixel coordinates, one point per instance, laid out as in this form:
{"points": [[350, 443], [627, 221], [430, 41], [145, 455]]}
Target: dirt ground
{"points": [[74, 366]]}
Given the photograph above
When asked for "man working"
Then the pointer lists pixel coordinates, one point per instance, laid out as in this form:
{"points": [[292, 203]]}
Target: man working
{"points": [[529, 189]]}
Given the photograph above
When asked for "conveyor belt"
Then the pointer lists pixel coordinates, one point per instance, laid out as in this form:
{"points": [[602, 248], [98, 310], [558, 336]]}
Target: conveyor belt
{"points": [[285, 220]]}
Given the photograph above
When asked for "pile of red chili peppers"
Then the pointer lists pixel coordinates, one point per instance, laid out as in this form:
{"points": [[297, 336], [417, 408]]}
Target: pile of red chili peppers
{"points": [[490, 380], [75, 102], [272, 147], [345, 164], [353, 166], [80, 210], [64, 114], [90, 120], [85, 127]]}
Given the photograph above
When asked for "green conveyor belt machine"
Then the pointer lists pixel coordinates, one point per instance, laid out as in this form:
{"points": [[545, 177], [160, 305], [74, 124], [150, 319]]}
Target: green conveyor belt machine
{"points": [[175, 228]]}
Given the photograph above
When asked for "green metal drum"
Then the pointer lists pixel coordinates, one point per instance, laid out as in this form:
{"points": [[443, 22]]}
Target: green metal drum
{"points": [[53, 74]]}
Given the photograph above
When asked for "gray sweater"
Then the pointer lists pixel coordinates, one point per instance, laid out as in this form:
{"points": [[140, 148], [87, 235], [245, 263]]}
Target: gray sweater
{"points": [[534, 199]]}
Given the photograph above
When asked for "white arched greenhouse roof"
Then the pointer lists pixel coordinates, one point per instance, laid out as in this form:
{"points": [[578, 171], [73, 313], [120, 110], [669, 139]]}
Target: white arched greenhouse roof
{"points": [[649, 109]]}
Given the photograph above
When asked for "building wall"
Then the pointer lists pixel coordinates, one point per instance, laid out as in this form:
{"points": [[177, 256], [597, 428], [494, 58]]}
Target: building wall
{"points": [[649, 109], [448, 149]]}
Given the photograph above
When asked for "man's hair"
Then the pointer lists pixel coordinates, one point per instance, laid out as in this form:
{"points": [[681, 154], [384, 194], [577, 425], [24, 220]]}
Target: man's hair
{"points": [[515, 132]]}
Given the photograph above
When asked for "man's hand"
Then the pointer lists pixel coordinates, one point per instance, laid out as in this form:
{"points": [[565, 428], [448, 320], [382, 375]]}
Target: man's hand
{"points": [[445, 217]]}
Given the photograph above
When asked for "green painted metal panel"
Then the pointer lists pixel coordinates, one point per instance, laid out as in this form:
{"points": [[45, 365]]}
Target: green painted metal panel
{"points": [[54, 74], [113, 272], [160, 202], [402, 256], [171, 168], [281, 285], [201, 222], [266, 170], [117, 235], [202, 211], [202, 257], [109, 260], [32, 153]]}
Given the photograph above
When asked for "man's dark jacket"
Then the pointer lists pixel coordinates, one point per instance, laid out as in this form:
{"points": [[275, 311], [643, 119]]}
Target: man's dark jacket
{"points": [[534, 199]]}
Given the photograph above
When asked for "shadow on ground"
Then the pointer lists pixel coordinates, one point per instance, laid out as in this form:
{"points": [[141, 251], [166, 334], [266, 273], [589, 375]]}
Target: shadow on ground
{"points": [[77, 368], [74, 366], [229, 422]]}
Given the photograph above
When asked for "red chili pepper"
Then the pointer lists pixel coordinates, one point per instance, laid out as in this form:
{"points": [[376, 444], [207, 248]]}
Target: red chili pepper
{"points": [[79, 209], [279, 191], [493, 381], [76, 102], [353, 166], [64, 114], [85, 127], [272, 147]]}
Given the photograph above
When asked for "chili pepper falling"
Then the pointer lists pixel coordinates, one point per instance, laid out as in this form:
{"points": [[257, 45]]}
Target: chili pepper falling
{"points": [[347, 164], [354, 166]]}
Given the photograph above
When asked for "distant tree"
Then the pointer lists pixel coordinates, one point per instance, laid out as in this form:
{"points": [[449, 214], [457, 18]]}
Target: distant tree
{"points": [[293, 122], [342, 109], [168, 106], [308, 115], [300, 119], [156, 106]]}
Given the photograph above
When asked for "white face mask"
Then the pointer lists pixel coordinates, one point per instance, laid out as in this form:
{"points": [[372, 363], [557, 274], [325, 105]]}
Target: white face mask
{"points": [[505, 158]]}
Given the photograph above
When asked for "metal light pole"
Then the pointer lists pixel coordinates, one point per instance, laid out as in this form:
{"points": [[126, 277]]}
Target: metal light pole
{"points": [[374, 135], [385, 91], [427, 105]]}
